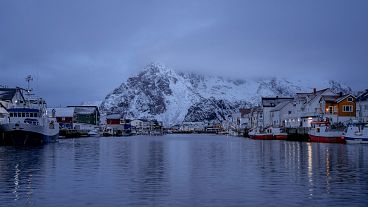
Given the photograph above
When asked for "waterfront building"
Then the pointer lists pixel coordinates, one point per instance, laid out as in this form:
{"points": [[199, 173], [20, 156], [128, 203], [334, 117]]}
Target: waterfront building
{"points": [[192, 126], [64, 116], [362, 107], [256, 117], [341, 108], [280, 113], [245, 118], [268, 104]]}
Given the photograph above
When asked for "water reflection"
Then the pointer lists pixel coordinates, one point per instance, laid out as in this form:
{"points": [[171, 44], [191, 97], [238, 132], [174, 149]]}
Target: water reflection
{"points": [[184, 170], [21, 167]]}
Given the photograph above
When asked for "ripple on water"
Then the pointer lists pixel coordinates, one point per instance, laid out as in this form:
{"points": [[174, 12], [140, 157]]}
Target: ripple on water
{"points": [[183, 170]]}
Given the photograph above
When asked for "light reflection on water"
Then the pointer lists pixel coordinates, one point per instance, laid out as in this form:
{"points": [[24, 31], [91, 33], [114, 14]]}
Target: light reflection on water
{"points": [[183, 170]]}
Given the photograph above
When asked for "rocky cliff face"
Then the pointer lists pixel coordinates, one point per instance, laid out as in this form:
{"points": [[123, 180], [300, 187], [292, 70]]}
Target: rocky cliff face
{"points": [[163, 94]]}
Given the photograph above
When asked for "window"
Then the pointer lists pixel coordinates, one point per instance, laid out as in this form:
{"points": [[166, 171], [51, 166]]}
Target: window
{"points": [[289, 112], [350, 99], [11, 114], [329, 109], [27, 114], [347, 108], [23, 114], [15, 114], [30, 114]]}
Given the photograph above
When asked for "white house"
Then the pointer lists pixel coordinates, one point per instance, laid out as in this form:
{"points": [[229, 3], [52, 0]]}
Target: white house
{"points": [[362, 107], [256, 118], [268, 104], [280, 113]]}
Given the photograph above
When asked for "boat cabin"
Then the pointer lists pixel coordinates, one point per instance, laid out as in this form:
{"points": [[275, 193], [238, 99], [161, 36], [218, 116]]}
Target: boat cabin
{"points": [[23, 113]]}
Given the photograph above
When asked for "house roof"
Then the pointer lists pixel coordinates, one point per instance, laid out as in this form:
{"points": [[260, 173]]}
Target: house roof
{"points": [[85, 109], [329, 98], [62, 112], [281, 106], [363, 96], [318, 94], [273, 101], [113, 116], [344, 97], [244, 112]]}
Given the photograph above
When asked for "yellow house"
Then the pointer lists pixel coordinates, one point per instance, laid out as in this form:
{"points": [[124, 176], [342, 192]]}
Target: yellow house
{"points": [[339, 108]]}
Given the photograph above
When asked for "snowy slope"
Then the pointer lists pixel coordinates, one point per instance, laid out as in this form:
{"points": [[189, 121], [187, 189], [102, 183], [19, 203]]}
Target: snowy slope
{"points": [[163, 94]]}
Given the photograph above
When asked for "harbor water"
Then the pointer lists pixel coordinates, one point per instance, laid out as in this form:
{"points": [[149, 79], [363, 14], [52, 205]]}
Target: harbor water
{"points": [[183, 170]]}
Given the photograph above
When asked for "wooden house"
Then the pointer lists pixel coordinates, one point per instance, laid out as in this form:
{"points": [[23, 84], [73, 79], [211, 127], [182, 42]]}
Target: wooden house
{"points": [[86, 115], [64, 116], [341, 108]]}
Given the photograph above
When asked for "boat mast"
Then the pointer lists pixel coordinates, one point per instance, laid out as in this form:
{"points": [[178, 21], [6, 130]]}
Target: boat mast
{"points": [[29, 79]]}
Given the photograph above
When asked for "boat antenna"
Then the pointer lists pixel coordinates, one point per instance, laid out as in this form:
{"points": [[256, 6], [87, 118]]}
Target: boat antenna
{"points": [[29, 78]]}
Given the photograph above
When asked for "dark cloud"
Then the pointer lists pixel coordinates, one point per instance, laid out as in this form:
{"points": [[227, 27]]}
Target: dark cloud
{"points": [[80, 50]]}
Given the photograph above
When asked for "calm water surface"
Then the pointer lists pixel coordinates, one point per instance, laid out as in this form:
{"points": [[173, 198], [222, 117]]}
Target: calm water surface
{"points": [[184, 170]]}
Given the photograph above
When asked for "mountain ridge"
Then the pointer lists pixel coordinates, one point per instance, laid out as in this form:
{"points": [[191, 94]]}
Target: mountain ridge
{"points": [[159, 92]]}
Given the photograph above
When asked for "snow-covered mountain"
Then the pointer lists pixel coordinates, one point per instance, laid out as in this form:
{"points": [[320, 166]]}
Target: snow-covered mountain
{"points": [[163, 94]]}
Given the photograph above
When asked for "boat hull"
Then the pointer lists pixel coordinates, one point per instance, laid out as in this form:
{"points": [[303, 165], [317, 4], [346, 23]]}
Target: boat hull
{"points": [[262, 136], [280, 136], [356, 140], [326, 139], [25, 134]]}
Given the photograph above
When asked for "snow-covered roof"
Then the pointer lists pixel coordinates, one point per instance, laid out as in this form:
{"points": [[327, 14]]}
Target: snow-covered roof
{"points": [[329, 98], [363, 96], [84, 109], [281, 106], [113, 116], [62, 112]]}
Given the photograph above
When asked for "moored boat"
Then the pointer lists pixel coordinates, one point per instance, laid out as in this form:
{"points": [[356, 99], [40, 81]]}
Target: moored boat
{"points": [[261, 134], [27, 121], [279, 134], [322, 131], [28, 126], [357, 134]]}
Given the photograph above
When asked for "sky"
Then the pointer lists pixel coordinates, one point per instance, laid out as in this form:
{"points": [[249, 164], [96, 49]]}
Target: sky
{"points": [[80, 50]]}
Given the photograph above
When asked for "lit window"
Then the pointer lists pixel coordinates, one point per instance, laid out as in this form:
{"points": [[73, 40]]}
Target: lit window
{"points": [[347, 108]]}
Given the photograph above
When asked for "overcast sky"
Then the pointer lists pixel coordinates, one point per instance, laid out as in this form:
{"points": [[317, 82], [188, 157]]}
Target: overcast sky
{"points": [[81, 50]]}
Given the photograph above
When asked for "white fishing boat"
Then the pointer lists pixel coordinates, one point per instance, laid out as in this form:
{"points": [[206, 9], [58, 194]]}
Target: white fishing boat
{"points": [[357, 134], [28, 122], [322, 131]]}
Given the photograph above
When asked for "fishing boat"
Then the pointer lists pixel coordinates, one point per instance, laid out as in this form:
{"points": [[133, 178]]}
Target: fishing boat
{"points": [[28, 122], [321, 131], [259, 134], [357, 134], [279, 134]]}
